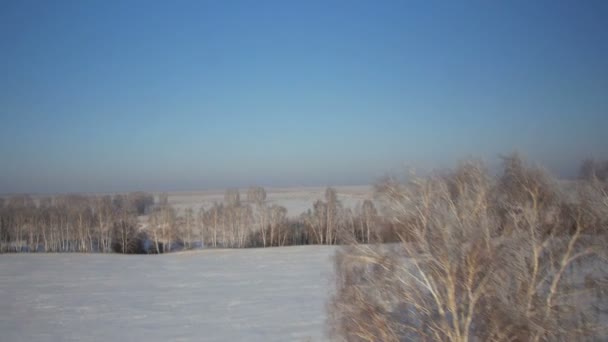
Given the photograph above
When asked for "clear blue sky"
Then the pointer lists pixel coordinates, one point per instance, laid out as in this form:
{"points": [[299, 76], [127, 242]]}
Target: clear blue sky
{"points": [[178, 95]]}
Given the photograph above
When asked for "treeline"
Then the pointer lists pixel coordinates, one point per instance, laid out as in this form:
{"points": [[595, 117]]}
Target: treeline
{"points": [[136, 223], [71, 223], [253, 222]]}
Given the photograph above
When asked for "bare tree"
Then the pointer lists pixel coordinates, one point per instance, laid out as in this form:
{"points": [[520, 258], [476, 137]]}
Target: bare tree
{"points": [[215, 221], [162, 226], [324, 220], [458, 275], [257, 196], [332, 209], [104, 215], [278, 216], [188, 227], [200, 219], [369, 217], [315, 221]]}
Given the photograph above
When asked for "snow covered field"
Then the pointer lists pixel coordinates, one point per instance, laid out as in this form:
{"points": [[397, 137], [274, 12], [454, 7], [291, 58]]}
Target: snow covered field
{"points": [[296, 200], [273, 294]]}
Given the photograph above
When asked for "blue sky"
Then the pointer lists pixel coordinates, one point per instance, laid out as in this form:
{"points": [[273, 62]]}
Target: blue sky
{"points": [[188, 95]]}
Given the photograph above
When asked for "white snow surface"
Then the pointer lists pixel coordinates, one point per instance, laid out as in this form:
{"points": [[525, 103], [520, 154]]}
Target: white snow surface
{"points": [[272, 294], [296, 200]]}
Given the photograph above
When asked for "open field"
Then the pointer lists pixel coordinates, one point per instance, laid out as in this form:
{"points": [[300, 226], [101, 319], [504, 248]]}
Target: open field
{"points": [[276, 294], [296, 200]]}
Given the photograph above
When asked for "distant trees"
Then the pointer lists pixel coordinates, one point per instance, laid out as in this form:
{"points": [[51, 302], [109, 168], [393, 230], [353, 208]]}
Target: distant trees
{"points": [[332, 205], [136, 223], [236, 219], [368, 218], [257, 196], [328, 220], [315, 220], [103, 211], [277, 219], [186, 231], [72, 223], [163, 225], [212, 222]]}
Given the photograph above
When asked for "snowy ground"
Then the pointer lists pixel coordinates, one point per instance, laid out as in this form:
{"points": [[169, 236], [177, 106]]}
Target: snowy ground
{"points": [[273, 294]]}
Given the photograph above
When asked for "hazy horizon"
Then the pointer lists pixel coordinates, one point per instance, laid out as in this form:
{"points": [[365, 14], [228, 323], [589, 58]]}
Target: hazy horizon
{"points": [[171, 96]]}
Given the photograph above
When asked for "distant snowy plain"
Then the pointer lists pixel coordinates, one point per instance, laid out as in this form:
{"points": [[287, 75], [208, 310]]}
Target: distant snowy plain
{"points": [[272, 294], [296, 200]]}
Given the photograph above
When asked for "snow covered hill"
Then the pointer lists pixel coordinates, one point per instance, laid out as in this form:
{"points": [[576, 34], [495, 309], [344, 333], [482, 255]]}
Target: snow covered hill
{"points": [[273, 294]]}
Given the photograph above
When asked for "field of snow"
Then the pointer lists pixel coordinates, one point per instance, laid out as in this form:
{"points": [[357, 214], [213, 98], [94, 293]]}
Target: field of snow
{"points": [[296, 200], [273, 294]]}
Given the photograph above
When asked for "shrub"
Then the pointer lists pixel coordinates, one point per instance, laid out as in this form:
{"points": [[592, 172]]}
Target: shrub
{"points": [[478, 259]]}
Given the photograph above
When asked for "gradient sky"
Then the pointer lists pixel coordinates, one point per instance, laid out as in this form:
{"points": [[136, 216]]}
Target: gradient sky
{"points": [[178, 95]]}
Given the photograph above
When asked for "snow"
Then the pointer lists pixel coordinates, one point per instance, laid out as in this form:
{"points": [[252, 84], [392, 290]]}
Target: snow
{"points": [[272, 294], [296, 200]]}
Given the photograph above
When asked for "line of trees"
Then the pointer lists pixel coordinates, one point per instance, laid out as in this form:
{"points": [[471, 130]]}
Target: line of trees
{"points": [[136, 223], [236, 223], [71, 223]]}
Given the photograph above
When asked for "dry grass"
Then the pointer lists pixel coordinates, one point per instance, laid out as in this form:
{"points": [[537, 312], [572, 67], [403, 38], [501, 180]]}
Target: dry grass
{"points": [[479, 259]]}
